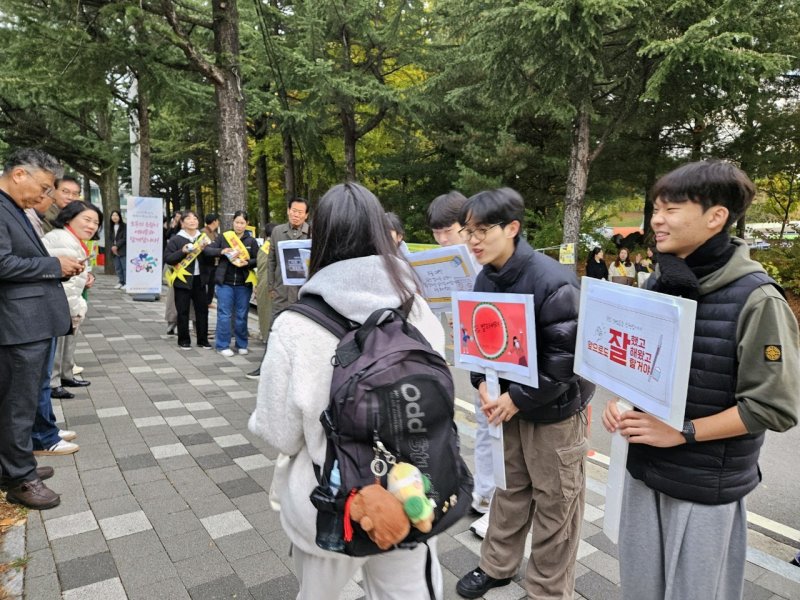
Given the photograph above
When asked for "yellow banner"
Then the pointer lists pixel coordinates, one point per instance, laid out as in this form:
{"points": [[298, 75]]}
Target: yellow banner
{"points": [[180, 271], [242, 255]]}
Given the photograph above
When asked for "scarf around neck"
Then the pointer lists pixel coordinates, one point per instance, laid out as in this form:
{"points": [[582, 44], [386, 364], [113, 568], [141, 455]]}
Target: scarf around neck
{"points": [[681, 277]]}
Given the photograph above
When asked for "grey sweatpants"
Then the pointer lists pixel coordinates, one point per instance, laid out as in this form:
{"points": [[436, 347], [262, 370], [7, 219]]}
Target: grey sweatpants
{"points": [[673, 549]]}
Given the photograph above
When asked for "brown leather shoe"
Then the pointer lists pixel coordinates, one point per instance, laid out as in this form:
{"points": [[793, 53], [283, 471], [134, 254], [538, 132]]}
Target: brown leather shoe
{"points": [[33, 494], [41, 472]]}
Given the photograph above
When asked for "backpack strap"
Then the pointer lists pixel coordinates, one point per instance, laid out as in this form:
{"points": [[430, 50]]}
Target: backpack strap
{"points": [[319, 311]]}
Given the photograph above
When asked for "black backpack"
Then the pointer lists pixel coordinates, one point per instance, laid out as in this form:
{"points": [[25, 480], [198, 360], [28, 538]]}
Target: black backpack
{"points": [[391, 400]]}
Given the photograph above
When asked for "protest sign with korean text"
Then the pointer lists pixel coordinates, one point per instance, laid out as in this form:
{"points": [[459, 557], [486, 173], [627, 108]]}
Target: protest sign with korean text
{"points": [[144, 248], [293, 257], [496, 331], [443, 271], [637, 344]]}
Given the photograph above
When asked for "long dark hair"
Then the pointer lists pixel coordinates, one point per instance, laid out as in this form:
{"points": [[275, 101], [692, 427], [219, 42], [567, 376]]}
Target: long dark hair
{"points": [[590, 260], [349, 222]]}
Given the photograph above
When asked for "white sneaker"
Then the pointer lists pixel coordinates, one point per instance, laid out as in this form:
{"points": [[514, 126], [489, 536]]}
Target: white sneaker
{"points": [[118, 286], [62, 447], [67, 435], [226, 352], [76, 370], [480, 526], [480, 504], [244, 351]]}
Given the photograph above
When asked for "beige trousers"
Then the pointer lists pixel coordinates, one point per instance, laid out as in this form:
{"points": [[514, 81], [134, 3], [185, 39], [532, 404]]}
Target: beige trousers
{"points": [[545, 490]]}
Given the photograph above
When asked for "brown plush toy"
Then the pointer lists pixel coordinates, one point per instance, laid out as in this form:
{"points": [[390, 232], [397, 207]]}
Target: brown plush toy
{"points": [[381, 515]]}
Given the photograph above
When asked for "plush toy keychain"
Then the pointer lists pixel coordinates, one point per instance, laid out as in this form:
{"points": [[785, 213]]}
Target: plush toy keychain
{"points": [[410, 486], [379, 513]]}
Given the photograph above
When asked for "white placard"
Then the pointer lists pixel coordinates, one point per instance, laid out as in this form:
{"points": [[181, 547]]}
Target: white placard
{"points": [[495, 331], [144, 247], [443, 271], [294, 256], [637, 344]]}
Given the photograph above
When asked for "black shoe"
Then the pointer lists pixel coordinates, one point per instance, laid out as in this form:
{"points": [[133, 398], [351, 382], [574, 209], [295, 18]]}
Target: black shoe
{"points": [[254, 374], [41, 472], [476, 583], [75, 383], [205, 345], [185, 346], [61, 393], [171, 330], [33, 494], [794, 561]]}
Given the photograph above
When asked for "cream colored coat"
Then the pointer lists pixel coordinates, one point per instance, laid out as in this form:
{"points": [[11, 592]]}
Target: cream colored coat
{"points": [[60, 242]]}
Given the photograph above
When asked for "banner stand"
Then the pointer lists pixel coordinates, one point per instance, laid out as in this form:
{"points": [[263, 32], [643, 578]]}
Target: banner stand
{"points": [[145, 297]]}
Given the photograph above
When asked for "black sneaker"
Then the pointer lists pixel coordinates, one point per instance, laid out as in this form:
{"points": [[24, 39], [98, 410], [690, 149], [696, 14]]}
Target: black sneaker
{"points": [[185, 346], [205, 345], [795, 561], [254, 374], [476, 583]]}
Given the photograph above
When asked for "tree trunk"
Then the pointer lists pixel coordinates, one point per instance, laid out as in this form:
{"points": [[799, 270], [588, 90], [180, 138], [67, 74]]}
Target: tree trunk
{"points": [[145, 161], [232, 160], [263, 193], [290, 189], [650, 179], [577, 176], [109, 181], [350, 138]]}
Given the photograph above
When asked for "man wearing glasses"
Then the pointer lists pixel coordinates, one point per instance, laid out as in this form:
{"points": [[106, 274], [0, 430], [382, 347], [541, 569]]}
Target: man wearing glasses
{"points": [[66, 190], [33, 310], [544, 428]]}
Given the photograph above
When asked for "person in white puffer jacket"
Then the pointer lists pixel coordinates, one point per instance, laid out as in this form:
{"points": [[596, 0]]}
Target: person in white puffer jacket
{"points": [[357, 269], [76, 224]]}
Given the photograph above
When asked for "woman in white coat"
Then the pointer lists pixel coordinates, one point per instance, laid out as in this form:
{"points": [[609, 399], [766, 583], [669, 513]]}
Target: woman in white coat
{"points": [[76, 224], [356, 267]]}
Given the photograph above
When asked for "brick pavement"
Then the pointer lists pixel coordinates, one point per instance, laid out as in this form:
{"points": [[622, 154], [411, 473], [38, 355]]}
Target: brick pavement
{"points": [[167, 497]]}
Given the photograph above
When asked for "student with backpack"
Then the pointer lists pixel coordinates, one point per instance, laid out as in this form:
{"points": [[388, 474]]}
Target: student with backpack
{"points": [[355, 269]]}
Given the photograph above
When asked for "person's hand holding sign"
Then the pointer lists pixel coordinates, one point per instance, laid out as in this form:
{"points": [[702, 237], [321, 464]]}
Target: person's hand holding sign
{"points": [[496, 411], [640, 427]]}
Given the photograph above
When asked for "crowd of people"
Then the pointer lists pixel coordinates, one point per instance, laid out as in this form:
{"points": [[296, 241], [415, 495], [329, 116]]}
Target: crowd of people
{"points": [[683, 534]]}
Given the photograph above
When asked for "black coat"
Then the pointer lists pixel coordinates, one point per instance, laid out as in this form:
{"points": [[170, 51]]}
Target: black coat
{"points": [[597, 270], [228, 273], [121, 239], [555, 296], [174, 254]]}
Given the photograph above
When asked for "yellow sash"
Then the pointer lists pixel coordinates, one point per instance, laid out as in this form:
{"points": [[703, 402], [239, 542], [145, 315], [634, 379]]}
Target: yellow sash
{"points": [[235, 242], [180, 271]]}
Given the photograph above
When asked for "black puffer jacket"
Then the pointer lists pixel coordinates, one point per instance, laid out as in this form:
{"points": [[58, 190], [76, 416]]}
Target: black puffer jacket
{"points": [[555, 291]]}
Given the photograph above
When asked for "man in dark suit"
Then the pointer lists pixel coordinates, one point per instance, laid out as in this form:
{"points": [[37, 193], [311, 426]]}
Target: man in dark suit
{"points": [[33, 310]]}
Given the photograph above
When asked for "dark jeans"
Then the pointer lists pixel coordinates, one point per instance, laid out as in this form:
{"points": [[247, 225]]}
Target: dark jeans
{"points": [[119, 267], [45, 430], [183, 298], [22, 369]]}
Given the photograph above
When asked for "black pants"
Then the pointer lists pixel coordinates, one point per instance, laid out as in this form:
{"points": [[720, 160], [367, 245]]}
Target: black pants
{"points": [[183, 298], [210, 289], [22, 369]]}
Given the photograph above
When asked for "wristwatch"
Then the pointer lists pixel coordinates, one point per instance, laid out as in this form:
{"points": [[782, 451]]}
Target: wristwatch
{"points": [[688, 432]]}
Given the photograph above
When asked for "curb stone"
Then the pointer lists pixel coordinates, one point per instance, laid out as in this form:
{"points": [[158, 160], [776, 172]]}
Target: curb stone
{"points": [[12, 547]]}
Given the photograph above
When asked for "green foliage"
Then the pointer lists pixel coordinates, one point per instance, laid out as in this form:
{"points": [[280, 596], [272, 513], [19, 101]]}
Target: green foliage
{"points": [[782, 262]]}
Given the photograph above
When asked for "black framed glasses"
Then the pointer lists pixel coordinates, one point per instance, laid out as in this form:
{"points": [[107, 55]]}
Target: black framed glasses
{"points": [[479, 233]]}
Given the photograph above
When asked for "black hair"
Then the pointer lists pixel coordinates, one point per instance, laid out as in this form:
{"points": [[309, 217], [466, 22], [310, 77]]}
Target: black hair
{"points": [[268, 229], [708, 183], [349, 222], [241, 213], [299, 199], [186, 213], [595, 251], [395, 224], [490, 207], [33, 157], [210, 218], [115, 212], [72, 210], [445, 209], [64, 178]]}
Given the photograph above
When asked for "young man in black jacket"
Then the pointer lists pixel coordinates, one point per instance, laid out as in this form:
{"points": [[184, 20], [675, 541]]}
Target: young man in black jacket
{"points": [[544, 428]]}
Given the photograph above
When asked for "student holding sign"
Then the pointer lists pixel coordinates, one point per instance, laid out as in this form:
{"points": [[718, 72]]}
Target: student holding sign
{"points": [[544, 428], [683, 532]]}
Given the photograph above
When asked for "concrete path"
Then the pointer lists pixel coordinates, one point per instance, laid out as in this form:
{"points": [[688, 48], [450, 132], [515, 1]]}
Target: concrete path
{"points": [[167, 498]]}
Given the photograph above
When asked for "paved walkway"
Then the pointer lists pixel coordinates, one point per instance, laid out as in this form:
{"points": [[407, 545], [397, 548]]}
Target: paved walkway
{"points": [[167, 496]]}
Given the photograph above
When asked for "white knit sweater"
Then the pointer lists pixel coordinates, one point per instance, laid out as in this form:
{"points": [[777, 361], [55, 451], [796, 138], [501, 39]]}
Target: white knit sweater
{"points": [[60, 242], [296, 376]]}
